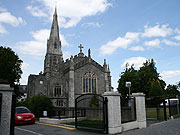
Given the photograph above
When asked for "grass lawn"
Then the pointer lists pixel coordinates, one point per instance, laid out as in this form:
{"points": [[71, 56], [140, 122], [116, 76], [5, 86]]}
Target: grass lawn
{"points": [[152, 113]]}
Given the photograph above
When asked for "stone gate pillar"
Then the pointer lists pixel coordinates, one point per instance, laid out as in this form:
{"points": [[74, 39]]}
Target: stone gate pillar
{"points": [[140, 109], [114, 112], [6, 105], [71, 97]]}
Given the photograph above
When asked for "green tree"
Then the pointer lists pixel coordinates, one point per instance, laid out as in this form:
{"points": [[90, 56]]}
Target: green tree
{"points": [[40, 103], [26, 103], [178, 85], [147, 73], [10, 68], [155, 89], [172, 91], [140, 79], [130, 74], [94, 102]]}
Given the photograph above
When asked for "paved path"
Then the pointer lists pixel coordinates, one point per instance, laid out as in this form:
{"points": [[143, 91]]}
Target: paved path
{"points": [[49, 129], [171, 127]]}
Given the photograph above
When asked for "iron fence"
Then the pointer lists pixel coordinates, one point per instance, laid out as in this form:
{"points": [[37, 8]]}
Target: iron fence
{"points": [[95, 111], [162, 109], [128, 109], [63, 112], [0, 105]]}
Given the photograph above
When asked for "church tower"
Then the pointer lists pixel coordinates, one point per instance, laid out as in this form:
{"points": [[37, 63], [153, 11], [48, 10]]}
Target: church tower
{"points": [[54, 56]]}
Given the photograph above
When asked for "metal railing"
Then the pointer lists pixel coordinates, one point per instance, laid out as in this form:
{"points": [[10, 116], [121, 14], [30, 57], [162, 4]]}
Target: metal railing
{"points": [[128, 110]]}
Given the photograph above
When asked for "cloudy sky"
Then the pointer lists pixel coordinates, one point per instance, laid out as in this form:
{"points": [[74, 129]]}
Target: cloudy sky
{"points": [[119, 31]]}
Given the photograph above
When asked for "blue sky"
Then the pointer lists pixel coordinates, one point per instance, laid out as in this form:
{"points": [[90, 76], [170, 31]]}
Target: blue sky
{"points": [[119, 31]]}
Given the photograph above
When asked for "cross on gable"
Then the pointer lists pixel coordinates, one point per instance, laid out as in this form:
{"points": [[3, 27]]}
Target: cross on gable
{"points": [[80, 46]]}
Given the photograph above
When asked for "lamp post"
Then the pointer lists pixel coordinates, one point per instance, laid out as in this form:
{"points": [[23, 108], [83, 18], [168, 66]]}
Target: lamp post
{"points": [[128, 84]]}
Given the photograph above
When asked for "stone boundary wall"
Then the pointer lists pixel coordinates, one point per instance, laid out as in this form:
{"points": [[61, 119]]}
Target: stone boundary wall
{"points": [[114, 113], [6, 109]]}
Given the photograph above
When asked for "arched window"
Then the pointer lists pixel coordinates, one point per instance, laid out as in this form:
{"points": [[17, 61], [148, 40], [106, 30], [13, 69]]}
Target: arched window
{"points": [[89, 83], [58, 91]]}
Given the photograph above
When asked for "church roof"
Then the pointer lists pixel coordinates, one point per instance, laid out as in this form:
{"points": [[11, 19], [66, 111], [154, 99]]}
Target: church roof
{"points": [[82, 61]]}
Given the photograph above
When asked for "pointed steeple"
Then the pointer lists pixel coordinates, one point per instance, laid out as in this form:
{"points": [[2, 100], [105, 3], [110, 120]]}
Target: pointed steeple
{"points": [[55, 28], [54, 43], [54, 54]]}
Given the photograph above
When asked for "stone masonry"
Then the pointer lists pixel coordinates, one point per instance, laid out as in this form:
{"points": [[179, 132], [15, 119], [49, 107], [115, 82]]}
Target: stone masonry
{"points": [[63, 81]]}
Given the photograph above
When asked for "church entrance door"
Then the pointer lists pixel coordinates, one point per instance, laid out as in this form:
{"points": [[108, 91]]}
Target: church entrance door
{"points": [[91, 113]]}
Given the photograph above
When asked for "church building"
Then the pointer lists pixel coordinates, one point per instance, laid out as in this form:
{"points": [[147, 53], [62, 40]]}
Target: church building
{"points": [[62, 81]]}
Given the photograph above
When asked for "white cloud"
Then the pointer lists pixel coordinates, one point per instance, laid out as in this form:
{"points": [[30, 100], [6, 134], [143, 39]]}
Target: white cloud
{"points": [[37, 47], [170, 74], [177, 37], [35, 11], [132, 35], [91, 24], [153, 43], [136, 61], [136, 48], [70, 12], [168, 42], [24, 66], [7, 18], [157, 31], [120, 42], [177, 30], [34, 48], [111, 46], [2, 30]]}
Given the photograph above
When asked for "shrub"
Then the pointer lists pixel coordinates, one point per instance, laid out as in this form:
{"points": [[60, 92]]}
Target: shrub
{"points": [[39, 104]]}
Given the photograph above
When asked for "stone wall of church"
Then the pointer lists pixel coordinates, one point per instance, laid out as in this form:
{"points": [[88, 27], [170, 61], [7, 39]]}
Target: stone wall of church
{"points": [[81, 71], [36, 85]]}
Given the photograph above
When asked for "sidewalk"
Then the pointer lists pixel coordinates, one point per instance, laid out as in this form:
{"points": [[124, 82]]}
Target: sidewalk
{"points": [[170, 127]]}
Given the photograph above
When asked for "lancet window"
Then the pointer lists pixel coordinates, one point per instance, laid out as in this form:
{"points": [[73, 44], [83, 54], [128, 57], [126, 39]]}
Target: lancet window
{"points": [[89, 82]]}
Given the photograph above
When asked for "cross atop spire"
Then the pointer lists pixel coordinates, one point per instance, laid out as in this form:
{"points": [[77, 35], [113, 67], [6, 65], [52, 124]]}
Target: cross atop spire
{"points": [[80, 46]]}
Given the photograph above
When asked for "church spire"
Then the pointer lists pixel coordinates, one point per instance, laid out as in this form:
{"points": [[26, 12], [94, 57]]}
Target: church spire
{"points": [[54, 54], [54, 43], [55, 28]]}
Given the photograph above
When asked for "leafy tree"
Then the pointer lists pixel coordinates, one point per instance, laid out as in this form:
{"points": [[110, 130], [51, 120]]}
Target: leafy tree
{"points": [[10, 68], [140, 79], [155, 89], [178, 85], [172, 91], [94, 102], [147, 73], [26, 103], [40, 103], [130, 74]]}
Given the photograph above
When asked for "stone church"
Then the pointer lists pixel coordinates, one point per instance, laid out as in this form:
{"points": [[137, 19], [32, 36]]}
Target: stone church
{"points": [[62, 81]]}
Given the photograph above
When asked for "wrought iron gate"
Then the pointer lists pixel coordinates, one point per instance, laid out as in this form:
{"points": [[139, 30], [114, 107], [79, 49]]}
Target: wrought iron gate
{"points": [[13, 107], [91, 112], [0, 105]]}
